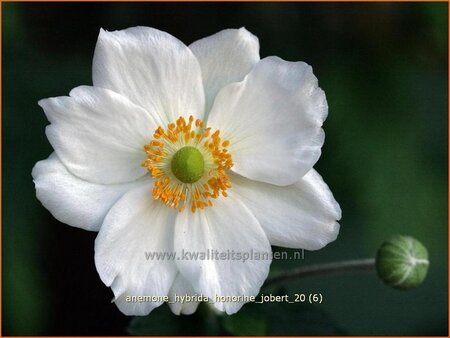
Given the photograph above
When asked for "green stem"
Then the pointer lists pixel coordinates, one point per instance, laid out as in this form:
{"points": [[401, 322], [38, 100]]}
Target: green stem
{"points": [[323, 269]]}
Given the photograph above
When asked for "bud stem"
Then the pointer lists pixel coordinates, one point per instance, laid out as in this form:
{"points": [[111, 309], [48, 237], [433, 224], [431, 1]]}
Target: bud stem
{"points": [[367, 264]]}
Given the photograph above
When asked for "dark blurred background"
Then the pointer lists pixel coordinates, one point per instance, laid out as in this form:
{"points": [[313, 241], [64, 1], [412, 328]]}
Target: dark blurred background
{"points": [[383, 67]]}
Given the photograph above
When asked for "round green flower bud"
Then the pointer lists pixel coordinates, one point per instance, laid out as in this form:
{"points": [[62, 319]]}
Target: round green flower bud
{"points": [[402, 262], [188, 164]]}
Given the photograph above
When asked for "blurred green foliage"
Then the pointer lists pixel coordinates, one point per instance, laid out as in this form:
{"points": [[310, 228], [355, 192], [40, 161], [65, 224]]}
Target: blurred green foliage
{"points": [[384, 69]]}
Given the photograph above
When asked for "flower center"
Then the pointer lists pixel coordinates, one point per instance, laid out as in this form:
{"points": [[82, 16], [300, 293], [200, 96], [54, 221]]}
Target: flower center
{"points": [[189, 164]]}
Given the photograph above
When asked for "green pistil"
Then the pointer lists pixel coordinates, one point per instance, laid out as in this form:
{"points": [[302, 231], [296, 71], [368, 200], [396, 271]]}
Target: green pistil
{"points": [[188, 164]]}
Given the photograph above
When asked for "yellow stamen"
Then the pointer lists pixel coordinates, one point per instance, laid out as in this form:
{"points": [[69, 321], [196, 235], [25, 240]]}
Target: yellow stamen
{"points": [[170, 190]]}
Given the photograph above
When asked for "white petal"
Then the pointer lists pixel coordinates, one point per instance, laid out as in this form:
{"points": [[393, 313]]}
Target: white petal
{"points": [[99, 135], [136, 225], [226, 227], [303, 215], [273, 119], [151, 68], [181, 287], [72, 200], [225, 57]]}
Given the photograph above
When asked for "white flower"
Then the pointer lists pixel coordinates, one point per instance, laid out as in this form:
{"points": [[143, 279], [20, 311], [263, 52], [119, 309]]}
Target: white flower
{"points": [[195, 148]]}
